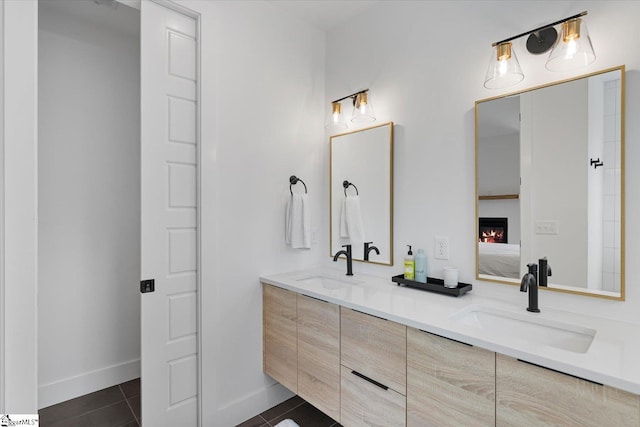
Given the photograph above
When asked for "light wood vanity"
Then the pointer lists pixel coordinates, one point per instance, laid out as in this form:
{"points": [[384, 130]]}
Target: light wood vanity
{"points": [[364, 370]]}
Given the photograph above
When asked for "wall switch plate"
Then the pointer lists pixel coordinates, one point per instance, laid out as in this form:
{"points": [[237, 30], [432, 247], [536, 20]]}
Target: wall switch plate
{"points": [[546, 227], [442, 248]]}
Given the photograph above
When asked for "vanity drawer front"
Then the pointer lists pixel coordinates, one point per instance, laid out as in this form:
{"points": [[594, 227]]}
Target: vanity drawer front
{"points": [[279, 335], [531, 395], [375, 347], [364, 404], [448, 383], [319, 354]]}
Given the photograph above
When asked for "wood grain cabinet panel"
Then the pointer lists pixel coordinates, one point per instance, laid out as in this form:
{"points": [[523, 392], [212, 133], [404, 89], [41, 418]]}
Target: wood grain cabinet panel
{"points": [[374, 347], [319, 354], [448, 383], [364, 404], [529, 395], [279, 335]]}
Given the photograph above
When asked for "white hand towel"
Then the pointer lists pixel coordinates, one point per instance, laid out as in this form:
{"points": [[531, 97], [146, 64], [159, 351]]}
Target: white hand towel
{"points": [[354, 219], [298, 221], [344, 229]]}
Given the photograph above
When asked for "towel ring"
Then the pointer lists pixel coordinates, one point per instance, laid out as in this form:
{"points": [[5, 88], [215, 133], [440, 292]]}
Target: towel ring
{"points": [[293, 180], [346, 184]]}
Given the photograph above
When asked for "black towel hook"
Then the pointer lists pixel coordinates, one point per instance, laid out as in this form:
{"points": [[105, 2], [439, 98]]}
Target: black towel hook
{"points": [[293, 180], [346, 184]]}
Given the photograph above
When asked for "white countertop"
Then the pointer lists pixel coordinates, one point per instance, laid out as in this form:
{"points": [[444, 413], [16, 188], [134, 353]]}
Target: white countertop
{"points": [[612, 359]]}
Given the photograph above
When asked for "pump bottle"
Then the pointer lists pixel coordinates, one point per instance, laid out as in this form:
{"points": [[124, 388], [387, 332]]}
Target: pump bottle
{"points": [[409, 265]]}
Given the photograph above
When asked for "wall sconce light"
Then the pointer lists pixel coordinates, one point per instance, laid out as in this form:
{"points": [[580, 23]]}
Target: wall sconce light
{"points": [[572, 50], [362, 111]]}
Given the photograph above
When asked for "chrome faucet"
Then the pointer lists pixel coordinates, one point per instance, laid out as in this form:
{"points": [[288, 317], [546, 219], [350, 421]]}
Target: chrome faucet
{"points": [[532, 280], [346, 253], [368, 247]]}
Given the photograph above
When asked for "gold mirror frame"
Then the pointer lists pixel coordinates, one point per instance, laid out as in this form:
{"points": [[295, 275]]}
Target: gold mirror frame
{"points": [[561, 288], [331, 185]]}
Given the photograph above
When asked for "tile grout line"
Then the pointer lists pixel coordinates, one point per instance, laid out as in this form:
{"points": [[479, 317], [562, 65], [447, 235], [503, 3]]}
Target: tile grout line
{"points": [[126, 399], [63, 422], [132, 412]]}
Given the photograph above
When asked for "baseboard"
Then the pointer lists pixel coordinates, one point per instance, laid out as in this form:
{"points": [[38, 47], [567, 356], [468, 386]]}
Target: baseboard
{"points": [[69, 388], [250, 405]]}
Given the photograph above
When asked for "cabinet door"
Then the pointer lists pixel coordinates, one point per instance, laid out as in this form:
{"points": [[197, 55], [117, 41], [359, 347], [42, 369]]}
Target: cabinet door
{"points": [[365, 404], [375, 347], [529, 395], [319, 354], [279, 335], [448, 383]]}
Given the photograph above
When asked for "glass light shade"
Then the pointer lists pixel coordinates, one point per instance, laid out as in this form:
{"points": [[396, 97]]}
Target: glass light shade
{"points": [[362, 109], [574, 49], [336, 120], [504, 69]]}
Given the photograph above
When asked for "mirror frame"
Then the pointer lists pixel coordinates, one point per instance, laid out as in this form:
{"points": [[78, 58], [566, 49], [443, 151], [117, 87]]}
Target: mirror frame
{"points": [[561, 288], [390, 124]]}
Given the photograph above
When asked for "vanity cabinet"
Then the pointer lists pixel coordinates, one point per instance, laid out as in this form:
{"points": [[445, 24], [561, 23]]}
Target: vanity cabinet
{"points": [[279, 335], [532, 395], [374, 370], [319, 354], [448, 383]]}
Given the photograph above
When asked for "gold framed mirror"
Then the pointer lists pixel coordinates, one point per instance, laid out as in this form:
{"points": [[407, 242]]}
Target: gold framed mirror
{"points": [[361, 193], [550, 183]]}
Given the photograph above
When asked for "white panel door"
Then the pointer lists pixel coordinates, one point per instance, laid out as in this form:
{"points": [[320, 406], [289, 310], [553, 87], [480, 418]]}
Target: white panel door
{"points": [[169, 217]]}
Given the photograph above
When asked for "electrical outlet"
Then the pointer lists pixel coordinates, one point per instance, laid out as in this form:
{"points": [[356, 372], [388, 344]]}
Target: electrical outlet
{"points": [[442, 248]]}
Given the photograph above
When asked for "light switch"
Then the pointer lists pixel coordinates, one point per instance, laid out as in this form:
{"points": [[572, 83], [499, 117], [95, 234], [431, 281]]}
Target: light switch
{"points": [[546, 227]]}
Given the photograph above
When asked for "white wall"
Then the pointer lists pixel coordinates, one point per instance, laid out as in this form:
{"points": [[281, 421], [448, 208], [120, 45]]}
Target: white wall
{"points": [[426, 77], [262, 121], [554, 136], [20, 180], [89, 199]]}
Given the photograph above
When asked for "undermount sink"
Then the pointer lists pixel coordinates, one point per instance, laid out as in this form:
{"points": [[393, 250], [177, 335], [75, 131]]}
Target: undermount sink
{"points": [[528, 328], [328, 282]]}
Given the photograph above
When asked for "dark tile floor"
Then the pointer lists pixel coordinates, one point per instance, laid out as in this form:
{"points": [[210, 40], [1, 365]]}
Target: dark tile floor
{"points": [[296, 409], [119, 406], [112, 407]]}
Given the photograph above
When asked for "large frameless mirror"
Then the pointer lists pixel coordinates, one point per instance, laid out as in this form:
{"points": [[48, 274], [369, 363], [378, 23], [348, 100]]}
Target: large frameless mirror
{"points": [[361, 193], [550, 183]]}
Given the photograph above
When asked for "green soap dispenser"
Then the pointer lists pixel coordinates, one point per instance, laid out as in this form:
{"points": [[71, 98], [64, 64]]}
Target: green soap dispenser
{"points": [[409, 265]]}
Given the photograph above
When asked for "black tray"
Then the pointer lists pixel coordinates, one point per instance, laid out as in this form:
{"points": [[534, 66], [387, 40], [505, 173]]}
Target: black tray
{"points": [[433, 285]]}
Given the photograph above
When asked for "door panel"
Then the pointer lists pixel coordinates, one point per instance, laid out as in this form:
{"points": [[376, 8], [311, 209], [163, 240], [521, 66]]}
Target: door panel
{"points": [[169, 216]]}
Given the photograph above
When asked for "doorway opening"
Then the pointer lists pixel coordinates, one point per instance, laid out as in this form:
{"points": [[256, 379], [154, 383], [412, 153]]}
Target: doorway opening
{"points": [[88, 197]]}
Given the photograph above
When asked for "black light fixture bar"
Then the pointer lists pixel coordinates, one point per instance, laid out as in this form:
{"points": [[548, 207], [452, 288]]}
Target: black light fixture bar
{"points": [[533, 31], [352, 96]]}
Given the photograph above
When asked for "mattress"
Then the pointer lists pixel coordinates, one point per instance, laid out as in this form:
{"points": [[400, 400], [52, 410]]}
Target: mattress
{"points": [[499, 259]]}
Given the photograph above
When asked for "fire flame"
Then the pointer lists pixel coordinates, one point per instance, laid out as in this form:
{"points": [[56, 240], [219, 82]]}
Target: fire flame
{"points": [[492, 236]]}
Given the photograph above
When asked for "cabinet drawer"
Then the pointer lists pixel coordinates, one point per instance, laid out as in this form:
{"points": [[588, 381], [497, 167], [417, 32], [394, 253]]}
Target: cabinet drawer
{"points": [[364, 404], [448, 383], [375, 347], [319, 354], [531, 395], [279, 335]]}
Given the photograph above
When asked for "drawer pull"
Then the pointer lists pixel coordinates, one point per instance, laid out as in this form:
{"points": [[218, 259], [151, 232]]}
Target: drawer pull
{"points": [[315, 298], [446, 338], [560, 372], [374, 382]]}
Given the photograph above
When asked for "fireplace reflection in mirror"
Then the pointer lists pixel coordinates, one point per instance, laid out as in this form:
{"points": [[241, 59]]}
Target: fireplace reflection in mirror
{"points": [[493, 230]]}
